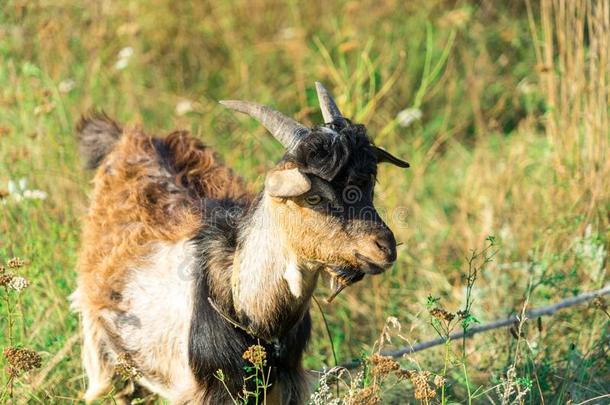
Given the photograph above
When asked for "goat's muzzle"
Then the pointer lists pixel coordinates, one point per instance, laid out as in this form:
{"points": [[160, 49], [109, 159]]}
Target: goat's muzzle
{"points": [[382, 246], [379, 252]]}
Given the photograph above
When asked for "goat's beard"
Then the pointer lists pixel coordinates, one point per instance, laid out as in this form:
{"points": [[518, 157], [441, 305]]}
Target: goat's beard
{"points": [[341, 277]]}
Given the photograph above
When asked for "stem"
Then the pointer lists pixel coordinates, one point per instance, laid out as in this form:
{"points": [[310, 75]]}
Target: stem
{"points": [[257, 385], [330, 338], [7, 388], [266, 385], [228, 391], [447, 346], [467, 384], [9, 312], [22, 312]]}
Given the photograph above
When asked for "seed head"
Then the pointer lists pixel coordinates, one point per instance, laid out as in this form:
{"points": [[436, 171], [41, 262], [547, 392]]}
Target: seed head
{"points": [[5, 279], [18, 283], [383, 365], [421, 386], [126, 368], [401, 373], [600, 303], [367, 395], [219, 375], [21, 360], [256, 355], [441, 314], [439, 381], [16, 262]]}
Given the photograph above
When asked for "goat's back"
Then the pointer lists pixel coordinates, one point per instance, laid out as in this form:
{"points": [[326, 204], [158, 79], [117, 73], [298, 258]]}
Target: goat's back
{"points": [[146, 190]]}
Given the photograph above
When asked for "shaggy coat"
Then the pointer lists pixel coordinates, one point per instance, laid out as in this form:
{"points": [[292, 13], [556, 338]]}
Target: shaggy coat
{"points": [[181, 269]]}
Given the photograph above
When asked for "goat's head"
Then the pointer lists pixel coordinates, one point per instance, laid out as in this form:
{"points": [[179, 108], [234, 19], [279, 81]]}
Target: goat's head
{"points": [[322, 190]]}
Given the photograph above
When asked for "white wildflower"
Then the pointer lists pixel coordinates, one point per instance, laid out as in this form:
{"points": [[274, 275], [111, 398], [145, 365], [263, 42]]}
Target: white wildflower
{"points": [[121, 64], [35, 195], [408, 116], [287, 33], [19, 191], [15, 190], [18, 283], [12, 188], [123, 58], [184, 107], [323, 395], [525, 87], [66, 86]]}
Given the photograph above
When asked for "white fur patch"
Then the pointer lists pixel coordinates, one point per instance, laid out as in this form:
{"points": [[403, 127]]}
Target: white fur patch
{"points": [[294, 278], [158, 303], [261, 263]]}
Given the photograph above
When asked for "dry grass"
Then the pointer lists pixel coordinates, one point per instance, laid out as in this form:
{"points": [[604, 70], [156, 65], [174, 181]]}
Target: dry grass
{"points": [[512, 142]]}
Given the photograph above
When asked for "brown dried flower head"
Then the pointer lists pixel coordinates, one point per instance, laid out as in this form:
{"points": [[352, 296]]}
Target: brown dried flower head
{"points": [[600, 303], [442, 315], [439, 381], [383, 365], [16, 262], [21, 360], [423, 390], [126, 368], [407, 374], [5, 279], [256, 355], [367, 395]]}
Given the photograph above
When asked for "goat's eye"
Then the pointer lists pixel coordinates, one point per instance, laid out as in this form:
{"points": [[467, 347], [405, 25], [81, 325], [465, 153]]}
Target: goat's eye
{"points": [[313, 199]]}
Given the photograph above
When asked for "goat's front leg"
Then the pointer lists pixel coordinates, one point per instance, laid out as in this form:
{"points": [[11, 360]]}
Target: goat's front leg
{"points": [[96, 358]]}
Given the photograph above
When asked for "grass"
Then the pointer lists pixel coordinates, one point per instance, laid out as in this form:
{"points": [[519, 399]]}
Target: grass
{"points": [[512, 142]]}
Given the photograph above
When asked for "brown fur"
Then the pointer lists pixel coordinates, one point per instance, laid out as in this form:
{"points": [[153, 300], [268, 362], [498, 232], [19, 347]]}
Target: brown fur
{"points": [[153, 200], [315, 236], [312, 235], [139, 199]]}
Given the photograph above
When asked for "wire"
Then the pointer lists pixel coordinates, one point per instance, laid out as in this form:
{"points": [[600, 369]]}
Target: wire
{"points": [[533, 314]]}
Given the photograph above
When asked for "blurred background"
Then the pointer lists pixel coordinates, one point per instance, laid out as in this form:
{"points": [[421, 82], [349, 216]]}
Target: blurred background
{"points": [[502, 109]]}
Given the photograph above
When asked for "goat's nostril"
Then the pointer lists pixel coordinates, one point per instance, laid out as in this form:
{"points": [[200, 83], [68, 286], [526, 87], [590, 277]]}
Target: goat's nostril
{"points": [[387, 246], [383, 246]]}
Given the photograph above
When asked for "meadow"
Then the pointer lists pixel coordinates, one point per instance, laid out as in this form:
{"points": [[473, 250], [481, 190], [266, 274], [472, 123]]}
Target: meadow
{"points": [[501, 108]]}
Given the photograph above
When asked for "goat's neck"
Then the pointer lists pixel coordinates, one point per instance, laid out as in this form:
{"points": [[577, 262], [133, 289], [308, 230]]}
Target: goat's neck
{"points": [[271, 288]]}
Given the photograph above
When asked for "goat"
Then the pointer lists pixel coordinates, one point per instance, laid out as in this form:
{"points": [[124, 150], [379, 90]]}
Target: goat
{"points": [[182, 269]]}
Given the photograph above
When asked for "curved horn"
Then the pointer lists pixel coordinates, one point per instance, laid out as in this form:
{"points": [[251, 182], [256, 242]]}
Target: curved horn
{"points": [[286, 130], [330, 111]]}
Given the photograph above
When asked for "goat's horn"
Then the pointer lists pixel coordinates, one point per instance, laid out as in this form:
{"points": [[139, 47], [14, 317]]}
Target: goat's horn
{"points": [[330, 111], [286, 130]]}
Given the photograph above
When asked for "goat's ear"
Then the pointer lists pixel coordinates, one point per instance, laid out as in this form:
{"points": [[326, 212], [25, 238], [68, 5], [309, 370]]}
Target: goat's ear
{"points": [[386, 157], [287, 183]]}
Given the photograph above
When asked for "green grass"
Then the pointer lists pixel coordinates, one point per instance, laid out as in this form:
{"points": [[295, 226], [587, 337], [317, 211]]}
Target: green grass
{"points": [[482, 164]]}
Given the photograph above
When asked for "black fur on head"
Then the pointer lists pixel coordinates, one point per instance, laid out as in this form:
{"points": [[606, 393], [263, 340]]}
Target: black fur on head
{"points": [[339, 150]]}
